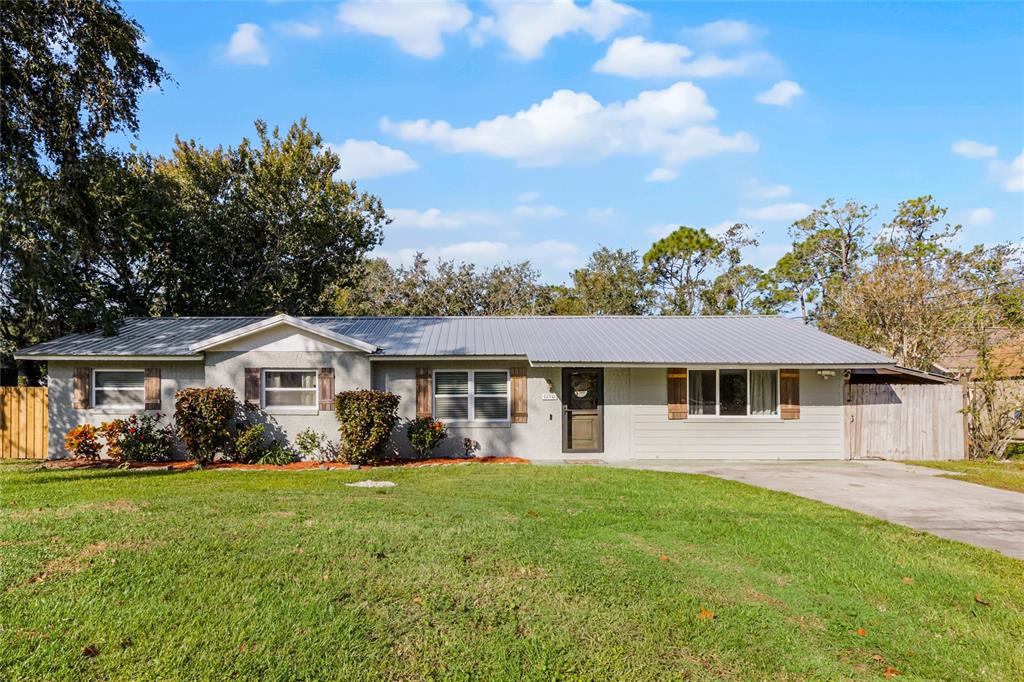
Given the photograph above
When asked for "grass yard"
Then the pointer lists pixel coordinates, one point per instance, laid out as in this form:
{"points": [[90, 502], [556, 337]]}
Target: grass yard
{"points": [[1005, 475], [482, 572]]}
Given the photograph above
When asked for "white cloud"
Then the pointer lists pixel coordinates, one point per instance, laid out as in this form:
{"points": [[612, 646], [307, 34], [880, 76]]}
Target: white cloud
{"points": [[574, 127], [364, 159], [417, 27], [1009, 175], [976, 217], [542, 212], [528, 197], [527, 27], [601, 216], [765, 256], [662, 175], [549, 253], [719, 229], [712, 66], [436, 219], [974, 150], [634, 57], [662, 230], [781, 94], [725, 32], [792, 211], [298, 29], [246, 46], [758, 191]]}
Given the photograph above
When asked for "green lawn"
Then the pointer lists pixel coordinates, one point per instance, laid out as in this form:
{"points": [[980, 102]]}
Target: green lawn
{"points": [[1005, 475], [481, 572]]}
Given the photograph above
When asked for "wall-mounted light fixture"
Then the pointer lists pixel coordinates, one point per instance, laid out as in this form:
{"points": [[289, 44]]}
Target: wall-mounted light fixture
{"points": [[826, 373]]}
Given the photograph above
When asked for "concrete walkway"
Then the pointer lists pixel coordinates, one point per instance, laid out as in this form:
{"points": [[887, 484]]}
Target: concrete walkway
{"points": [[911, 496]]}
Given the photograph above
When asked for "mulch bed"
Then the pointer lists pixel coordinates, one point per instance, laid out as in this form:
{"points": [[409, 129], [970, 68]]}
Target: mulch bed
{"points": [[293, 466]]}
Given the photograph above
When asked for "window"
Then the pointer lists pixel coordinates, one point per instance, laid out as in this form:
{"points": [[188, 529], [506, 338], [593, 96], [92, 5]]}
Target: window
{"points": [[733, 392], [480, 395], [703, 398], [119, 388], [290, 389]]}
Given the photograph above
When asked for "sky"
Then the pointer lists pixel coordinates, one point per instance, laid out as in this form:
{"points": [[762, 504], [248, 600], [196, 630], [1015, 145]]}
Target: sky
{"points": [[498, 132]]}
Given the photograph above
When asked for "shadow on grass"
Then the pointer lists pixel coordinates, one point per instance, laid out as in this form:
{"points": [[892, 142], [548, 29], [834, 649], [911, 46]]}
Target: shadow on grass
{"points": [[93, 474]]}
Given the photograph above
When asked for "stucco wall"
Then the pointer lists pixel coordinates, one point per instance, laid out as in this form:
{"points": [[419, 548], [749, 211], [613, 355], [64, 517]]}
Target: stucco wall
{"points": [[540, 437], [173, 376], [351, 371]]}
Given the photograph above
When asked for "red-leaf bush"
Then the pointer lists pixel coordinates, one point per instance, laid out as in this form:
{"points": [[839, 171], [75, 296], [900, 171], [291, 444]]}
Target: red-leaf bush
{"points": [[365, 422], [425, 434], [82, 443], [202, 417]]}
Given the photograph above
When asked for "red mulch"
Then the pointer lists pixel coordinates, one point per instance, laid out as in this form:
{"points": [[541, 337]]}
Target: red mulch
{"points": [[295, 466]]}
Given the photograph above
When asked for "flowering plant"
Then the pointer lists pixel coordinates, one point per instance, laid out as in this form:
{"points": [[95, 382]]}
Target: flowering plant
{"points": [[425, 434], [81, 442], [138, 438]]}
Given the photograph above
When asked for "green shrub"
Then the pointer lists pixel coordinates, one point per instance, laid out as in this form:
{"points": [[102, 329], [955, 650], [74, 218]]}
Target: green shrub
{"points": [[313, 445], [138, 438], [249, 445], [365, 422], [1014, 451], [82, 443], [276, 454], [203, 417], [425, 434]]}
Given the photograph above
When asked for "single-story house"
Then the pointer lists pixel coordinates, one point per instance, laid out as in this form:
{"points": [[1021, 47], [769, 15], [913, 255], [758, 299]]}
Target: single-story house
{"points": [[538, 387]]}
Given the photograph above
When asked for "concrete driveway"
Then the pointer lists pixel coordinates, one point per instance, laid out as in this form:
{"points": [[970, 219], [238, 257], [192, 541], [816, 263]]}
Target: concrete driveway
{"points": [[911, 496]]}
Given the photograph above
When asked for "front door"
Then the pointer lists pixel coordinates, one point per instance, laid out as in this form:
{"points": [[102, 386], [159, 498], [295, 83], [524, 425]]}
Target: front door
{"points": [[582, 410]]}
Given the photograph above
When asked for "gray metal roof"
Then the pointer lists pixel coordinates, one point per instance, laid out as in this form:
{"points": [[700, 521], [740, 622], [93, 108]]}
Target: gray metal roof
{"points": [[684, 341]]}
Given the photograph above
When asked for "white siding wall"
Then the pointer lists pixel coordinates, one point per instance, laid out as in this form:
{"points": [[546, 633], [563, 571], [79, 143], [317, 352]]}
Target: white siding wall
{"points": [[818, 434]]}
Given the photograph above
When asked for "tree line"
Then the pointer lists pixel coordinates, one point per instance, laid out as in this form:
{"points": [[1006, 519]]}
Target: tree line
{"points": [[92, 235]]}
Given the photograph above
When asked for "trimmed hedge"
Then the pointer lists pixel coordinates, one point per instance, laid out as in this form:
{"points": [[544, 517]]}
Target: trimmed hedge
{"points": [[365, 422], [202, 417]]}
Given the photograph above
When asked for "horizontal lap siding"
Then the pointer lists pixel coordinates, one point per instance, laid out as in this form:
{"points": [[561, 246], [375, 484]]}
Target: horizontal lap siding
{"points": [[818, 434]]}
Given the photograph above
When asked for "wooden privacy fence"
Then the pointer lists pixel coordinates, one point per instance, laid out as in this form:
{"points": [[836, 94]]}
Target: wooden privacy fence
{"points": [[23, 422], [904, 421]]}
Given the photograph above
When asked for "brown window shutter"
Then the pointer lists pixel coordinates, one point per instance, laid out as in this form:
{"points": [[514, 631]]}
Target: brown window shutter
{"points": [[424, 393], [80, 398], [789, 393], [326, 388], [677, 408], [152, 388], [252, 386], [519, 412]]}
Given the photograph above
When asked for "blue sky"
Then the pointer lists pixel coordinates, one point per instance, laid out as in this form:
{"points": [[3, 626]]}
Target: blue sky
{"points": [[499, 132]]}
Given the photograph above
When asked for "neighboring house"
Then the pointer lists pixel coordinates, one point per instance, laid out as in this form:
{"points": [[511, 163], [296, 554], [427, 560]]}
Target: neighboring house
{"points": [[1007, 358], [537, 387]]}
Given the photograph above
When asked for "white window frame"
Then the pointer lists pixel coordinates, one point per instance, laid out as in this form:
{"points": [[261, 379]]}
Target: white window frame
{"points": [[290, 409], [116, 408], [471, 396], [718, 403]]}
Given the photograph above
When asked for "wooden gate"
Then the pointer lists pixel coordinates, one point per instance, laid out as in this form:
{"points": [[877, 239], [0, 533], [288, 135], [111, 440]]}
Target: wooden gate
{"points": [[23, 422], [904, 421]]}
